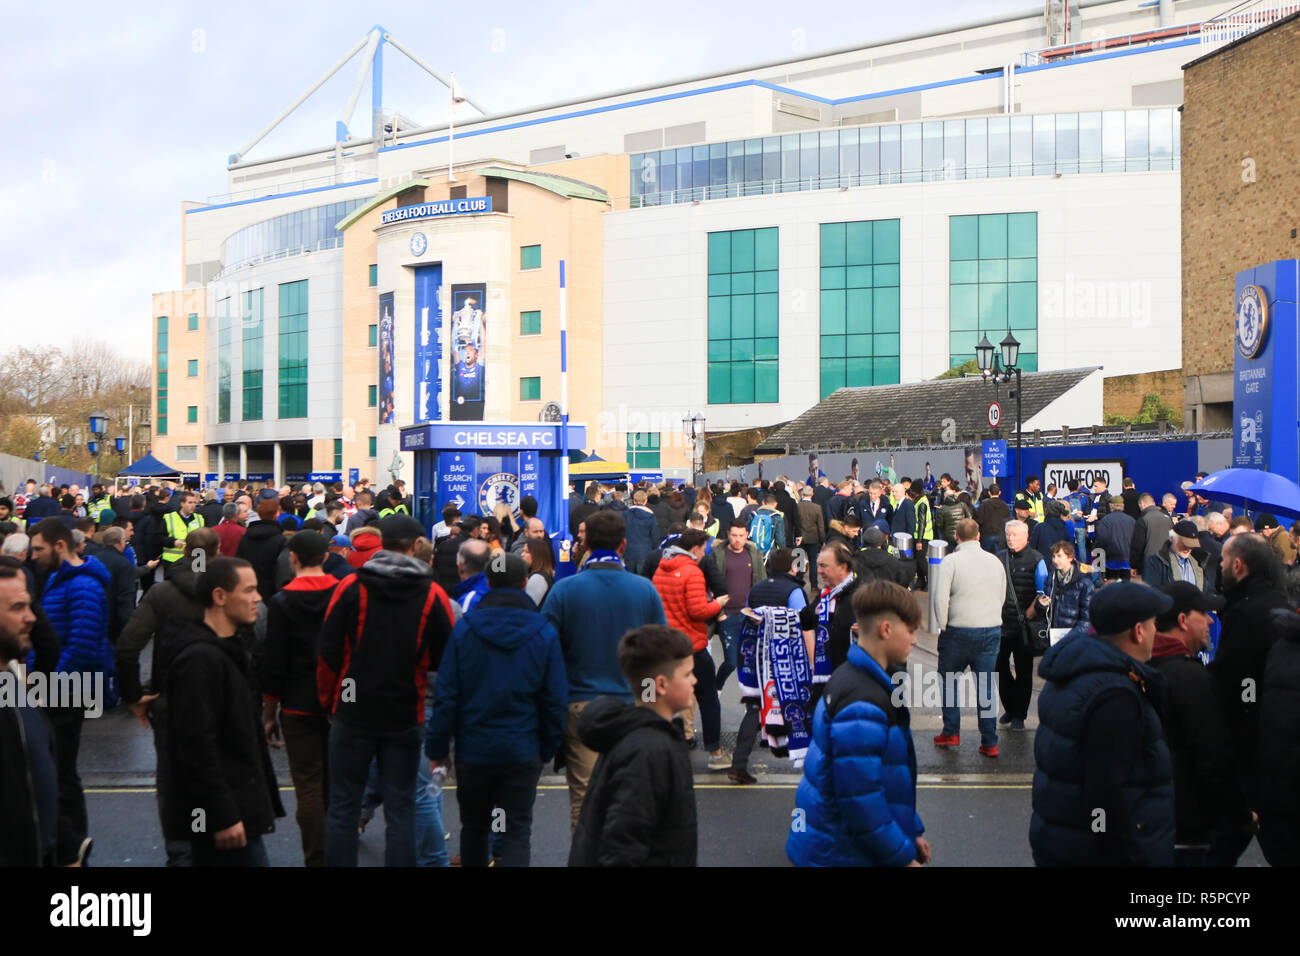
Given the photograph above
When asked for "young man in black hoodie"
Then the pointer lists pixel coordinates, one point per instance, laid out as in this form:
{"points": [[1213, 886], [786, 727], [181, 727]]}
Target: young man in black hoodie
{"points": [[226, 788], [262, 543], [640, 804], [290, 704]]}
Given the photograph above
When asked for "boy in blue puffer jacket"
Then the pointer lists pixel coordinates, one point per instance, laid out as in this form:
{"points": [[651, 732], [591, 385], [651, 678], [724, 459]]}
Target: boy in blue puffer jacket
{"points": [[857, 800]]}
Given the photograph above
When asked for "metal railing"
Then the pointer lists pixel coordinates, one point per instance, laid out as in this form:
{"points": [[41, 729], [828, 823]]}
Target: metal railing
{"points": [[260, 192], [1129, 41], [1243, 19], [323, 245]]}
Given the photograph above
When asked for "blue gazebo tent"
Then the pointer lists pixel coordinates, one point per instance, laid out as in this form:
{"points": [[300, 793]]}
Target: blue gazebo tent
{"points": [[149, 467]]}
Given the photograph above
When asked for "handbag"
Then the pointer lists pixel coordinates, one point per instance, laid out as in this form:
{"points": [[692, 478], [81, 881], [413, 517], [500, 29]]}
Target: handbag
{"points": [[1037, 633]]}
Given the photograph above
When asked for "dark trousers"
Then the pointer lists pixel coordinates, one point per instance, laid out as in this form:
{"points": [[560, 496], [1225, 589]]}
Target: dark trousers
{"points": [[176, 843], [922, 565], [496, 801], [306, 742], [1279, 838], [706, 695], [253, 853], [1016, 690], [746, 736], [397, 753], [73, 822]]}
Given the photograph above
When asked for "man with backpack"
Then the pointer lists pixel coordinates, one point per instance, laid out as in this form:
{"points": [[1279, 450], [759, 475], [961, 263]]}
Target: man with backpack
{"points": [[767, 527]]}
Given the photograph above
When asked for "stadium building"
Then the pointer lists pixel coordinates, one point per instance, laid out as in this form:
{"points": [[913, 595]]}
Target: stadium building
{"points": [[730, 247]]}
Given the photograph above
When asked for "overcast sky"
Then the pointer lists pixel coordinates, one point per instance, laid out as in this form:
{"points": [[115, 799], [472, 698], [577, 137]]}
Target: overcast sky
{"points": [[115, 117]]}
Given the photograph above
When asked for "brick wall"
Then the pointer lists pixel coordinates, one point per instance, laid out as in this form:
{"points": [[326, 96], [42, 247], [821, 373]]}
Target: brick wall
{"points": [[1123, 394], [1241, 121]]}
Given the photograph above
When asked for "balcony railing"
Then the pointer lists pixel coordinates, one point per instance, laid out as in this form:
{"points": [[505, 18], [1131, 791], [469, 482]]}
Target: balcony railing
{"points": [[1243, 20]]}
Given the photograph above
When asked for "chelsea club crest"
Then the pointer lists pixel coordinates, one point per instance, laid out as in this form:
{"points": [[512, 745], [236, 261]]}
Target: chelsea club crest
{"points": [[499, 489], [419, 244], [1252, 321]]}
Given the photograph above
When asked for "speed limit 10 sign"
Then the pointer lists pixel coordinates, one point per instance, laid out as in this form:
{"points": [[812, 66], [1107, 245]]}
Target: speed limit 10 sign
{"points": [[995, 414]]}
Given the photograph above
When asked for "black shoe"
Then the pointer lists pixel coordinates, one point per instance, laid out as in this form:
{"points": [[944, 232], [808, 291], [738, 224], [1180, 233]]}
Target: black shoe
{"points": [[691, 743], [1005, 719], [737, 775]]}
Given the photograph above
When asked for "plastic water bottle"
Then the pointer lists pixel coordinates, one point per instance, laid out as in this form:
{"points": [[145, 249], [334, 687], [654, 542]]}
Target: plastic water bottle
{"points": [[436, 779]]}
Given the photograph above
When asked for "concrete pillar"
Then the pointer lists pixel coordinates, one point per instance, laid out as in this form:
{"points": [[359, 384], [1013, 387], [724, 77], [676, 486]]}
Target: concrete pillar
{"points": [[221, 464], [243, 460], [1166, 13], [277, 465]]}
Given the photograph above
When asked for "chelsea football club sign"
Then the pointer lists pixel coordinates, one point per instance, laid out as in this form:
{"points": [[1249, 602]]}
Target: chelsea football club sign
{"points": [[1252, 321]]}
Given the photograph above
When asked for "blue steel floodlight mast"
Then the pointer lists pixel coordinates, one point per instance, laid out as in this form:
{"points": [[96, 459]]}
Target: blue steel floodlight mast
{"points": [[372, 62]]}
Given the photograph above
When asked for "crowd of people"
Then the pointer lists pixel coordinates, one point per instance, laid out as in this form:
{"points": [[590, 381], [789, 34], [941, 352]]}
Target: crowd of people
{"points": [[384, 655]]}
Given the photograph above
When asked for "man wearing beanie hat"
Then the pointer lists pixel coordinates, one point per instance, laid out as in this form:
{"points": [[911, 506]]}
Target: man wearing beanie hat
{"points": [[1180, 559], [384, 630], [1277, 537], [1103, 789], [503, 696]]}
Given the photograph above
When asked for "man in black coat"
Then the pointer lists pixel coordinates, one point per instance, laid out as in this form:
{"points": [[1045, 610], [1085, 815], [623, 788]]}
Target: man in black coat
{"points": [[1279, 745], [992, 516], [1208, 800], [1021, 561], [262, 543], [226, 786], [1251, 594], [874, 561], [1114, 536], [124, 580], [639, 809]]}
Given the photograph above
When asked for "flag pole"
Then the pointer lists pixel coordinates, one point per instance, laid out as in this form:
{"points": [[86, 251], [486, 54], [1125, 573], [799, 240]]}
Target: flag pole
{"points": [[451, 129]]}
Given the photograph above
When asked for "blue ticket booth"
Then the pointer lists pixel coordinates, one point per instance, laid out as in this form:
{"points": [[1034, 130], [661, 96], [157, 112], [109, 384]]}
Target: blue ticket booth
{"points": [[479, 465]]}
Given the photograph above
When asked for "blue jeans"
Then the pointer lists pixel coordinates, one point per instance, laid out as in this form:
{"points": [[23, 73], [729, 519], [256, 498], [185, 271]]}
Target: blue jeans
{"points": [[729, 634], [253, 853], [976, 648], [397, 754], [430, 837]]}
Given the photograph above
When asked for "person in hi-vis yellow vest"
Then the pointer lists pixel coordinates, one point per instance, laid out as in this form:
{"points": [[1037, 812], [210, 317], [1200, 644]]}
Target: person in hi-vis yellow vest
{"points": [[1034, 495], [176, 526]]}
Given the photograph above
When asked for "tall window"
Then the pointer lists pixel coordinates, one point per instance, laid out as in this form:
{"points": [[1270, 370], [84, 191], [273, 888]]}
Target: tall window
{"points": [[373, 340], [223, 361], [993, 284], [338, 454], [160, 426], [192, 413], [530, 389], [293, 349], [193, 325], [530, 257], [530, 323], [859, 304], [373, 450], [192, 368], [374, 275], [743, 316], [643, 449], [373, 398], [251, 322]]}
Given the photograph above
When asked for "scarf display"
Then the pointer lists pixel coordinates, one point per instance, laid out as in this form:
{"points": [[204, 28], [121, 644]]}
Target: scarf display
{"points": [[602, 557], [825, 611], [774, 670]]}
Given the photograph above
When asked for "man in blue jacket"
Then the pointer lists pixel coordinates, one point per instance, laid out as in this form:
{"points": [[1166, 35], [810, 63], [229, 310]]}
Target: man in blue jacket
{"points": [[591, 611], [75, 600], [856, 803], [503, 696]]}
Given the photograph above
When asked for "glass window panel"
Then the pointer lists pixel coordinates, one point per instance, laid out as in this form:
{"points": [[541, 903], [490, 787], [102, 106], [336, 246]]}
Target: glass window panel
{"points": [[192, 368], [742, 282], [1135, 140], [961, 342], [963, 238], [719, 317], [884, 371], [832, 375], [857, 243], [1177, 118], [1112, 141], [993, 306], [742, 382], [963, 307], [911, 167], [767, 348], [699, 167], [977, 148], [954, 149], [1022, 234], [832, 346], [1028, 341], [1022, 305], [857, 372], [767, 320], [742, 316], [1044, 144], [884, 241], [736, 162], [993, 270], [1067, 142], [993, 236], [932, 151], [753, 160], [849, 156], [857, 310], [884, 308], [790, 157], [742, 250], [1089, 142], [833, 244], [833, 312], [999, 146], [891, 157], [719, 252], [1022, 270], [719, 349], [766, 281], [717, 165], [830, 155], [771, 158], [869, 154], [720, 284], [859, 277], [809, 144], [833, 277], [1162, 139], [886, 275], [766, 252], [1022, 145], [1028, 362], [742, 350], [887, 344], [684, 169], [857, 345], [962, 271]]}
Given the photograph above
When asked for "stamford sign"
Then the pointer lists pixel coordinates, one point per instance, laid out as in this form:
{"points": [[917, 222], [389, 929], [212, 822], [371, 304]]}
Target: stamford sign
{"points": [[1059, 472], [443, 207]]}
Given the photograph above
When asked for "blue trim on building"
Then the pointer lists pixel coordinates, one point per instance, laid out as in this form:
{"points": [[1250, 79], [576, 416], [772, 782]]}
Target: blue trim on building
{"points": [[1167, 45], [300, 192]]}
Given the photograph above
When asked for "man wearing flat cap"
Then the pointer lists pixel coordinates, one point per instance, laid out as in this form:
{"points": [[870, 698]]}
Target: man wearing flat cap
{"points": [[1103, 789], [1181, 558]]}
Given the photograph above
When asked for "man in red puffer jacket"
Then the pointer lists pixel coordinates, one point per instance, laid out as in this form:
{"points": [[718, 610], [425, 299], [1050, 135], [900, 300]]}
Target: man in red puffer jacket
{"points": [[366, 542], [687, 607]]}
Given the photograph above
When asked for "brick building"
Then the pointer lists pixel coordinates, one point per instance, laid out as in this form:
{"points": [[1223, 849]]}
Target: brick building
{"points": [[1241, 196]]}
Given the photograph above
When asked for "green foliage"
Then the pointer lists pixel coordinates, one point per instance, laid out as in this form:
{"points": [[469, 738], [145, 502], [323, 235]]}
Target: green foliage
{"points": [[1154, 409], [957, 371]]}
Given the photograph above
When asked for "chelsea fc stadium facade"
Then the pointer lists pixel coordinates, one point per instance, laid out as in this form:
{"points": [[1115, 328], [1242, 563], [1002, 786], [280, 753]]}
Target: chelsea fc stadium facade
{"points": [[733, 246]]}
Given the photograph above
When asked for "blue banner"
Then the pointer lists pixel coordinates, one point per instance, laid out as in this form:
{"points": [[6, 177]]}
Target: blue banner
{"points": [[428, 343], [323, 476], [354, 475], [528, 475], [1265, 399], [457, 472], [387, 361], [995, 457], [542, 436]]}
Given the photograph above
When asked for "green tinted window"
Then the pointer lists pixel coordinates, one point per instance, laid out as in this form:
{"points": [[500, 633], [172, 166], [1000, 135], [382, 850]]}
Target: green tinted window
{"points": [[643, 450], [530, 389], [993, 283], [530, 257], [192, 368], [859, 288], [293, 350], [530, 323], [743, 316]]}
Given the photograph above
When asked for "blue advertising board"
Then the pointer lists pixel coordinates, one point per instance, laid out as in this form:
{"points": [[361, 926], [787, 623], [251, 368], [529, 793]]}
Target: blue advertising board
{"points": [[428, 343], [354, 475], [457, 472], [995, 457], [529, 478], [1265, 376], [539, 436]]}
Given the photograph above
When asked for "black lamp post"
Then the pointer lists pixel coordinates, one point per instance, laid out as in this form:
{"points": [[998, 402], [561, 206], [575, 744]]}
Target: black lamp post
{"points": [[98, 425], [1000, 368]]}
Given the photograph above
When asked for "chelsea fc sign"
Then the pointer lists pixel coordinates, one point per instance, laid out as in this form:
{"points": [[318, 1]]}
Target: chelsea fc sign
{"points": [[1252, 321]]}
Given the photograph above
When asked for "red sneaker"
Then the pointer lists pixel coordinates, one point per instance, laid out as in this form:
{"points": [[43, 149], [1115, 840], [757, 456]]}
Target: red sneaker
{"points": [[989, 751], [948, 740]]}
